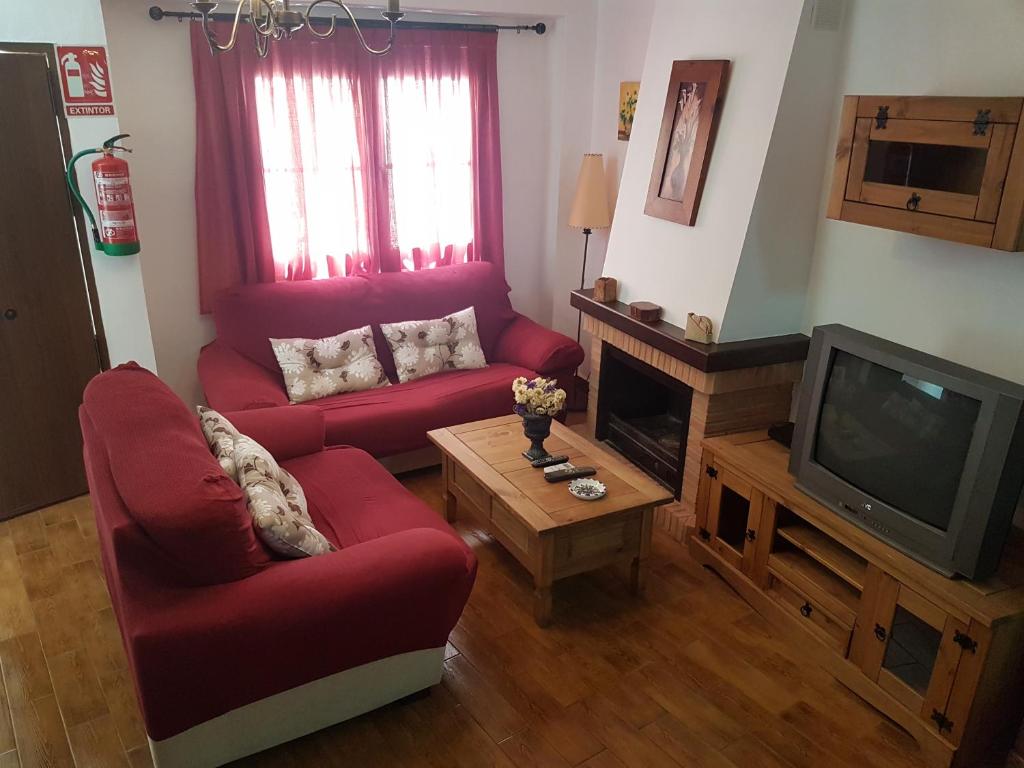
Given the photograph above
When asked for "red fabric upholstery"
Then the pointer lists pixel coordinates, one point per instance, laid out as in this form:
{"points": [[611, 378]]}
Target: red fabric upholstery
{"points": [[171, 483], [398, 583], [396, 419], [239, 371], [247, 317], [233, 382], [529, 345], [285, 432], [375, 503]]}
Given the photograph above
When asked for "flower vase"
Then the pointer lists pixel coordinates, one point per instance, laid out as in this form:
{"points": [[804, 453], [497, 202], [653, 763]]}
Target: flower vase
{"points": [[536, 428]]}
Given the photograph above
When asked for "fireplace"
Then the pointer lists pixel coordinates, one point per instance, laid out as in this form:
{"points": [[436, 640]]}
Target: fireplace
{"points": [[644, 414]]}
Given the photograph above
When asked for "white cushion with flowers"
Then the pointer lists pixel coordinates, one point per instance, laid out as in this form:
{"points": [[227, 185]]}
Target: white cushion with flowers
{"points": [[274, 497], [316, 368], [423, 347]]}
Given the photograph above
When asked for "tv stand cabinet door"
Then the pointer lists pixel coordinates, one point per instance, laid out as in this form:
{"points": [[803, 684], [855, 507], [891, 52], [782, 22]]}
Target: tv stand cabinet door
{"points": [[733, 518], [909, 647]]}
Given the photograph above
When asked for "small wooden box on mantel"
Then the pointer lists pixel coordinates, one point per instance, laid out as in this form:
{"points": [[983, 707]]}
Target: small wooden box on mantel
{"points": [[645, 311]]}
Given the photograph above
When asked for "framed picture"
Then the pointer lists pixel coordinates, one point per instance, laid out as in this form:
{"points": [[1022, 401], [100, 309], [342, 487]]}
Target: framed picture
{"points": [[688, 127], [627, 108]]}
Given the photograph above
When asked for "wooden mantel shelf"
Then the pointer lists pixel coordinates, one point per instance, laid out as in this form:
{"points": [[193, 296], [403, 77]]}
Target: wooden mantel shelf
{"points": [[709, 358]]}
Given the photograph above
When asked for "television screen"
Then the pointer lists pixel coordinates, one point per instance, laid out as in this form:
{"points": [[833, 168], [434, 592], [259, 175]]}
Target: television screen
{"points": [[902, 440]]}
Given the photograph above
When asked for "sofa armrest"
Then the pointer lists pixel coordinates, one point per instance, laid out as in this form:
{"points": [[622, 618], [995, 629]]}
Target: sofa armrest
{"points": [[530, 345], [233, 382], [218, 648], [287, 433]]}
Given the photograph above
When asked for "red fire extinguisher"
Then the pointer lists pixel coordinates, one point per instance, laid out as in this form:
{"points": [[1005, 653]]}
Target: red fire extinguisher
{"points": [[115, 234]]}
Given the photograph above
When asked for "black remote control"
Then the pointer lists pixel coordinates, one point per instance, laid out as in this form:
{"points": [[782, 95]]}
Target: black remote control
{"points": [[549, 461], [569, 474]]}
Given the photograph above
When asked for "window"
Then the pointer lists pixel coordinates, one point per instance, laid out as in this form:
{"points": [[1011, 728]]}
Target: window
{"points": [[322, 161]]}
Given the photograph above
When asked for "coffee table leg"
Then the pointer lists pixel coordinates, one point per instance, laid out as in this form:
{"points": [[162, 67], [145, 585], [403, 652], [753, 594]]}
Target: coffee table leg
{"points": [[542, 605], [451, 504], [640, 566], [542, 578]]}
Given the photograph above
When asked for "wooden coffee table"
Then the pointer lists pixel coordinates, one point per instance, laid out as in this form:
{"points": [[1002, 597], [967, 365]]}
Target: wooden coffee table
{"points": [[551, 532]]}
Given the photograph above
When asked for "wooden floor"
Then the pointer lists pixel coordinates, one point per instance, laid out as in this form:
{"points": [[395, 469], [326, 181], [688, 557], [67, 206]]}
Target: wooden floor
{"points": [[688, 676]]}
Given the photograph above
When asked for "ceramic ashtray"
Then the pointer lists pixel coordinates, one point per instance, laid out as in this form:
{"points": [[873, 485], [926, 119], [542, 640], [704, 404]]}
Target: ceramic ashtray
{"points": [[587, 488]]}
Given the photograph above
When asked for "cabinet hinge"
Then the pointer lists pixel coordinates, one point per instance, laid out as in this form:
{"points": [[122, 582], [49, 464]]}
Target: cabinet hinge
{"points": [[941, 721], [981, 121], [704, 533], [712, 472], [965, 641], [882, 118]]}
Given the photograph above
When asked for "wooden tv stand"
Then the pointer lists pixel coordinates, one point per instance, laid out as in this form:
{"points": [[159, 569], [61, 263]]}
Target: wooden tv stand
{"points": [[944, 658]]}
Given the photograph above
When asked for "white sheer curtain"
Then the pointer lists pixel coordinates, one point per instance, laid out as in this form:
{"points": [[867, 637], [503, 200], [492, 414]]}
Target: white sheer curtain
{"points": [[430, 147]]}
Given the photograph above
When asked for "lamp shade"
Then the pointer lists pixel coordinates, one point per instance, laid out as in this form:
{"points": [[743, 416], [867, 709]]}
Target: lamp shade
{"points": [[590, 206]]}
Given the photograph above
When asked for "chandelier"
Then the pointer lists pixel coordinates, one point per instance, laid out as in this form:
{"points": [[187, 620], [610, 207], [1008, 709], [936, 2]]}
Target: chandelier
{"points": [[277, 20]]}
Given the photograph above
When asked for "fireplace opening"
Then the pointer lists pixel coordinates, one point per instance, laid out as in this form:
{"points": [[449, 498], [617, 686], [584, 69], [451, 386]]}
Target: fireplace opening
{"points": [[644, 414]]}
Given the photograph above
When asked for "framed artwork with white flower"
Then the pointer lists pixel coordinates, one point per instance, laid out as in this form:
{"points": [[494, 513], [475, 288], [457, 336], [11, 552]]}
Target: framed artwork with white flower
{"points": [[688, 127]]}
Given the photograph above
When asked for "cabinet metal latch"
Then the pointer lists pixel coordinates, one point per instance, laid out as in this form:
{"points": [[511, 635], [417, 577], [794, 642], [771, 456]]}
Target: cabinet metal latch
{"points": [[751, 534], [704, 533], [882, 118], [712, 472], [943, 722], [981, 121], [965, 641]]}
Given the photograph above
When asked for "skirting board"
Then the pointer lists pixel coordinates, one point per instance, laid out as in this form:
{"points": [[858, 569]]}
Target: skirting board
{"points": [[299, 711]]}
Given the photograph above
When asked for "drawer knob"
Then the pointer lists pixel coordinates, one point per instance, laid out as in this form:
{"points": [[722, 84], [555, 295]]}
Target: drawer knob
{"points": [[913, 202], [10, 314], [880, 633], [806, 610]]}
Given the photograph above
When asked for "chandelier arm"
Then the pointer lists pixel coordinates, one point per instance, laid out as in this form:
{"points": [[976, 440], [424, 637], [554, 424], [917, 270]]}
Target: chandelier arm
{"points": [[271, 23], [211, 38], [355, 26]]}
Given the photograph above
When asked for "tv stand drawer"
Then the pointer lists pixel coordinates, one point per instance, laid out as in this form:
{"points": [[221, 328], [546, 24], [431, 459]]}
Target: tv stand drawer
{"points": [[832, 631]]}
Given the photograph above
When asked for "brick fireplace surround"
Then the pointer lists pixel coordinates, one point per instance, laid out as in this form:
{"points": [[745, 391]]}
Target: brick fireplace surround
{"points": [[737, 386]]}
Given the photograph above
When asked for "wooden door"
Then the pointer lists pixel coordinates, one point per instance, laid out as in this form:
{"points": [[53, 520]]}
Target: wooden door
{"points": [[733, 518], [47, 339], [909, 646]]}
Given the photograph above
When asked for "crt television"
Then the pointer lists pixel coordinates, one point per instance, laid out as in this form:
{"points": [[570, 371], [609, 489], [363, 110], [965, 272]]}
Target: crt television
{"points": [[925, 454]]}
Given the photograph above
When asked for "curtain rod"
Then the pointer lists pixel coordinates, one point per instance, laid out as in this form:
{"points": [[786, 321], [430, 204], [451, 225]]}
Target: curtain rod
{"points": [[156, 13]]}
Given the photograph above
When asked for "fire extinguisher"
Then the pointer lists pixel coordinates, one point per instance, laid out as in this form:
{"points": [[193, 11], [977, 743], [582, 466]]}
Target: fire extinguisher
{"points": [[116, 234]]}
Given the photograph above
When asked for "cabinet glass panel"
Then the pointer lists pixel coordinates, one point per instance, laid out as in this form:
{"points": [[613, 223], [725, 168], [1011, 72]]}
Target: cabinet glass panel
{"points": [[912, 650], [732, 518], [926, 166]]}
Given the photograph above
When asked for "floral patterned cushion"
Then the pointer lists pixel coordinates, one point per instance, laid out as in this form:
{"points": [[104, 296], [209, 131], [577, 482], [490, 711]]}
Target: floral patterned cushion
{"points": [[315, 368], [275, 499], [220, 435], [423, 347]]}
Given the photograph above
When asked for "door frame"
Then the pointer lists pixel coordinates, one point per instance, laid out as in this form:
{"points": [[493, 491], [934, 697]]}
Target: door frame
{"points": [[84, 239]]}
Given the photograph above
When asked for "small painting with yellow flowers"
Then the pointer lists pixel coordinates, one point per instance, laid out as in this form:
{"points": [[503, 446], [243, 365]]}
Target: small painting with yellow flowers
{"points": [[627, 108]]}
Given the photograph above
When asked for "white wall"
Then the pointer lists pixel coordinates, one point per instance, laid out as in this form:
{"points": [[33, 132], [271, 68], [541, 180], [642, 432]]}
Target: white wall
{"points": [[692, 268], [544, 81], [769, 289], [623, 28], [957, 301], [118, 279]]}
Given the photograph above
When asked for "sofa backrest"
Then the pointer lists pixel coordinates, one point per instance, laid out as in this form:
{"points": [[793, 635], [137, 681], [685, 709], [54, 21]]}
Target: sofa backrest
{"points": [[249, 316], [150, 467]]}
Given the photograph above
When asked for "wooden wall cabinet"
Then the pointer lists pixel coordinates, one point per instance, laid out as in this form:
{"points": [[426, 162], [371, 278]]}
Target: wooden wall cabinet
{"points": [[943, 658], [945, 167]]}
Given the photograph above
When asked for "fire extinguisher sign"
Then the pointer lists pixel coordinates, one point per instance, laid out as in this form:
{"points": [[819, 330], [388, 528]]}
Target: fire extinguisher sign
{"points": [[85, 80]]}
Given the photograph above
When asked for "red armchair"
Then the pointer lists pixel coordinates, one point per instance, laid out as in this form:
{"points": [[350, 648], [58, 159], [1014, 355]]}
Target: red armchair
{"points": [[238, 370], [231, 658]]}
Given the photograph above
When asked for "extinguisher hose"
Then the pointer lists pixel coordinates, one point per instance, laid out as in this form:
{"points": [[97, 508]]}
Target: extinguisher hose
{"points": [[72, 180]]}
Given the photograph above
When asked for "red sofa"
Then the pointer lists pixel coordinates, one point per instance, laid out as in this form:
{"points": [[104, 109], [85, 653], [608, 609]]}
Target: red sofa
{"points": [[232, 650], [239, 372]]}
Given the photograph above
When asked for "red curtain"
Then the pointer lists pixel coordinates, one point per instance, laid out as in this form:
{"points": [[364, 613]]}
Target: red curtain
{"points": [[322, 160]]}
